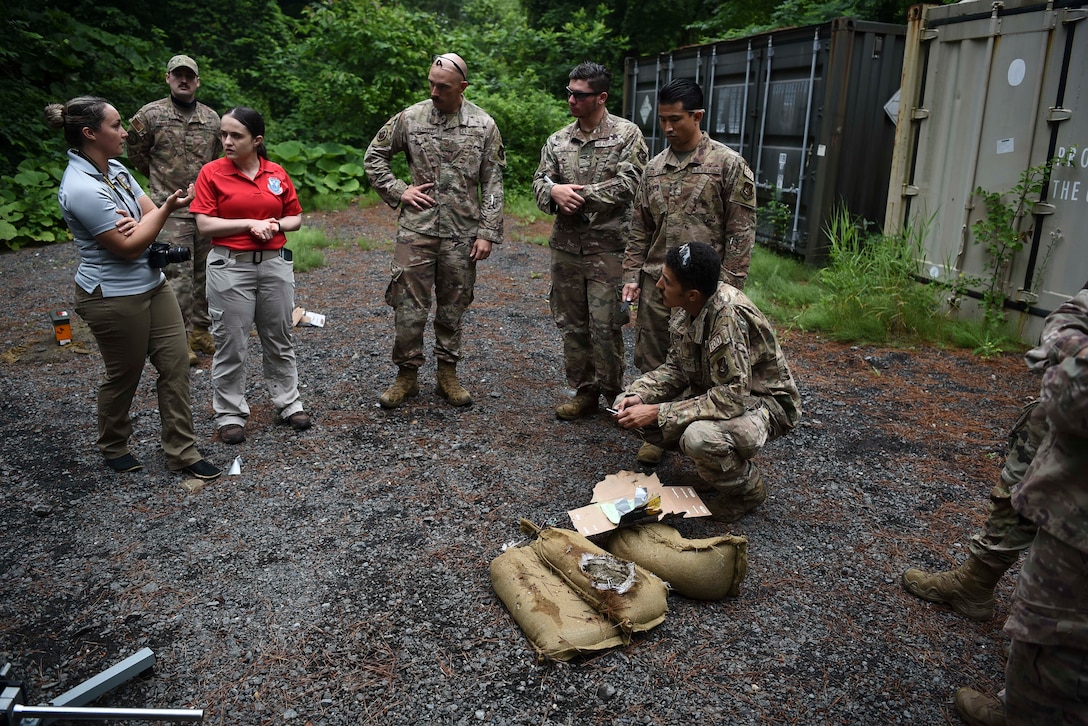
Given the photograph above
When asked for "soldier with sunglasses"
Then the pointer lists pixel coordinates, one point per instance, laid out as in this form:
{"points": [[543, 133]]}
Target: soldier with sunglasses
{"points": [[588, 173]]}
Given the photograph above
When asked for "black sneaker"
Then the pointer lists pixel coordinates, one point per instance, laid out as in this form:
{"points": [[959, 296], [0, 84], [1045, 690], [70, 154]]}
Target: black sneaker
{"points": [[202, 470], [124, 463]]}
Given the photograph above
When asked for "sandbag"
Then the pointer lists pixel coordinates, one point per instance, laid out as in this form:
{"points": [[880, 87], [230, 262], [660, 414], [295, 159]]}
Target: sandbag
{"points": [[556, 620], [638, 608], [702, 569]]}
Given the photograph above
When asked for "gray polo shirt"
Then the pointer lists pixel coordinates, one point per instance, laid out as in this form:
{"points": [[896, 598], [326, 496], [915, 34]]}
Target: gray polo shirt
{"points": [[90, 205]]}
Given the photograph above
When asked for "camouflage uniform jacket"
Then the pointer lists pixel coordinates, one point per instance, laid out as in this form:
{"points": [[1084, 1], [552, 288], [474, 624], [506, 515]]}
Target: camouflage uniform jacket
{"points": [[462, 154], [709, 198], [609, 163], [729, 357], [1054, 492], [170, 150]]}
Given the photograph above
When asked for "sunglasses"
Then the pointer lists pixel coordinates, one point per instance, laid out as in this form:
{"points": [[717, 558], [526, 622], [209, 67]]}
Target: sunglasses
{"points": [[580, 95], [437, 61]]}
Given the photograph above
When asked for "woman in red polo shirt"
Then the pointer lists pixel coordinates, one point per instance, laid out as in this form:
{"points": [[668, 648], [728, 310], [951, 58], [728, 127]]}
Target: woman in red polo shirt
{"points": [[245, 203]]}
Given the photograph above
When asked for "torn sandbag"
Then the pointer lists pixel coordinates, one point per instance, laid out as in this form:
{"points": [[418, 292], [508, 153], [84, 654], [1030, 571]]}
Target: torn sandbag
{"points": [[702, 569]]}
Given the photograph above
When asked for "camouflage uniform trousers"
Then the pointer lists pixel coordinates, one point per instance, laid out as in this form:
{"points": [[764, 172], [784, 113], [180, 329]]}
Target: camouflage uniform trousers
{"points": [[651, 326], [585, 304], [420, 264], [1047, 683], [1005, 534], [721, 450], [188, 279]]}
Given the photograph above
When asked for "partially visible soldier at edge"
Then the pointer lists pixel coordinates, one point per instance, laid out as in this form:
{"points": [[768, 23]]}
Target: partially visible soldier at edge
{"points": [[170, 140], [450, 215], [696, 190], [588, 174], [1047, 666]]}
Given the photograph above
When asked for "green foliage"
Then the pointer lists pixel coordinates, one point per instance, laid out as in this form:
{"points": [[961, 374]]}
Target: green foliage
{"points": [[526, 116], [870, 291], [307, 245], [323, 173], [780, 285], [1000, 232], [357, 64], [29, 212]]}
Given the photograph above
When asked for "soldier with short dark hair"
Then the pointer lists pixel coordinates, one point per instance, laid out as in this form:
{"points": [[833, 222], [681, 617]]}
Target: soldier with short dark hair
{"points": [[725, 388], [588, 173], [171, 139], [697, 189], [451, 213]]}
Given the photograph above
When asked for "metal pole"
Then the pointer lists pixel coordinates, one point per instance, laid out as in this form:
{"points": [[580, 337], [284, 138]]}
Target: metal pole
{"points": [[804, 140], [763, 115], [77, 713], [747, 87]]}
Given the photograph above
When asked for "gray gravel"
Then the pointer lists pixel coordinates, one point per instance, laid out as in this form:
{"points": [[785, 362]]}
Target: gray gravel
{"points": [[342, 577]]}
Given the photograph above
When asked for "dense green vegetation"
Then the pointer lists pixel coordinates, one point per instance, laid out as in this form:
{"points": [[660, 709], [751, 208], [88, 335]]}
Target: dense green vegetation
{"points": [[327, 74], [868, 293]]}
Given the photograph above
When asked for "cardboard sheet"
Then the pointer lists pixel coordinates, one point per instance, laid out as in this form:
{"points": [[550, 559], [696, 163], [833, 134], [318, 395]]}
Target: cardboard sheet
{"points": [[591, 519]]}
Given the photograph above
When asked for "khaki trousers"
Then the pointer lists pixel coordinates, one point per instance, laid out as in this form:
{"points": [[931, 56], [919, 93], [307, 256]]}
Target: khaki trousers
{"points": [[129, 330], [243, 293]]}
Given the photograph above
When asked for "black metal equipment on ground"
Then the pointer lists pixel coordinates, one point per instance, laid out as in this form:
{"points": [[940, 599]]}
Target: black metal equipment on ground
{"points": [[72, 705]]}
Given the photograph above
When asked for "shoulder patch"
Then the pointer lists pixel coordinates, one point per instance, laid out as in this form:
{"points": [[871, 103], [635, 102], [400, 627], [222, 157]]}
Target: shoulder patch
{"points": [[744, 192], [137, 125]]}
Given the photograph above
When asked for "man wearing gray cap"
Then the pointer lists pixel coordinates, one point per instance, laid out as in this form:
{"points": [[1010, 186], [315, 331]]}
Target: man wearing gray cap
{"points": [[170, 139]]}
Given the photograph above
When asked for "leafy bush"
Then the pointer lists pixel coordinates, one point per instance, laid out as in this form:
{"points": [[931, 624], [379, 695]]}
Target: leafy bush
{"points": [[358, 63], [29, 212], [871, 293], [320, 172], [526, 116]]}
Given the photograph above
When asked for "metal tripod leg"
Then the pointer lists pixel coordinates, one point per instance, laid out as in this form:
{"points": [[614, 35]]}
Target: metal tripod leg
{"points": [[68, 704]]}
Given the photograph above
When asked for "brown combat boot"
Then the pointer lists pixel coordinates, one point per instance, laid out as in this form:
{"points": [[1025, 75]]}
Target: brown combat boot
{"points": [[978, 709], [405, 386], [449, 387], [968, 589], [200, 340], [583, 403], [649, 454], [730, 509]]}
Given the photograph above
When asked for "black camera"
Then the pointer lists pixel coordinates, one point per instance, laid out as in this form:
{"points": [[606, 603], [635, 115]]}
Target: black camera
{"points": [[160, 254]]}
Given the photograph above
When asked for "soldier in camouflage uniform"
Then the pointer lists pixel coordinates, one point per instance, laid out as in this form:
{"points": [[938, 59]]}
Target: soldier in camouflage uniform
{"points": [[695, 190], [1046, 676], [725, 388], [587, 177], [171, 139], [450, 215]]}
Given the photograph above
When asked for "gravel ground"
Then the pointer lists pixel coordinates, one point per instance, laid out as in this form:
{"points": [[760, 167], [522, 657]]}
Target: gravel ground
{"points": [[342, 577]]}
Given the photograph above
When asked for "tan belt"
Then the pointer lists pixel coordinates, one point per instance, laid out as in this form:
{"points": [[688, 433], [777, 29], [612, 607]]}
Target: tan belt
{"points": [[255, 256]]}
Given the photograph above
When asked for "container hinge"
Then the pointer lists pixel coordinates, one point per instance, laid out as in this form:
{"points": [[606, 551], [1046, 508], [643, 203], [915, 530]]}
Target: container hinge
{"points": [[1072, 15], [909, 190], [1059, 114], [928, 34], [919, 114], [1043, 208]]}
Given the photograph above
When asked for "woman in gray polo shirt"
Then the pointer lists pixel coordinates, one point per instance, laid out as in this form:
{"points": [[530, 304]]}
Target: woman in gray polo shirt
{"points": [[121, 295]]}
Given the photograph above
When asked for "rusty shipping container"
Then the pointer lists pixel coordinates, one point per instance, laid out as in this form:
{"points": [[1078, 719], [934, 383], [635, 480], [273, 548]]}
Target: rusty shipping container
{"points": [[992, 92], [811, 109]]}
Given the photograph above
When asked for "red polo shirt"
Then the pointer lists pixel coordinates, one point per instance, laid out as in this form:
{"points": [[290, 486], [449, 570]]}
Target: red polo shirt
{"points": [[223, 191]]}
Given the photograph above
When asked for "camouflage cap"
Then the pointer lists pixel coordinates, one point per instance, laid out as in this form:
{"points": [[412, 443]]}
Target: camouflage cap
{"points": [[182, 61]]}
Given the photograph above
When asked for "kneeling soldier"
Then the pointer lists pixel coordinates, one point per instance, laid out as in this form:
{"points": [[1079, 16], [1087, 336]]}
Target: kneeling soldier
{"points": [[725, 388]]}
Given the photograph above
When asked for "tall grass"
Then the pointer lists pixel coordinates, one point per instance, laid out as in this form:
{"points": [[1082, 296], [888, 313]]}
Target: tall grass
{"points": [[307, 244]]}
